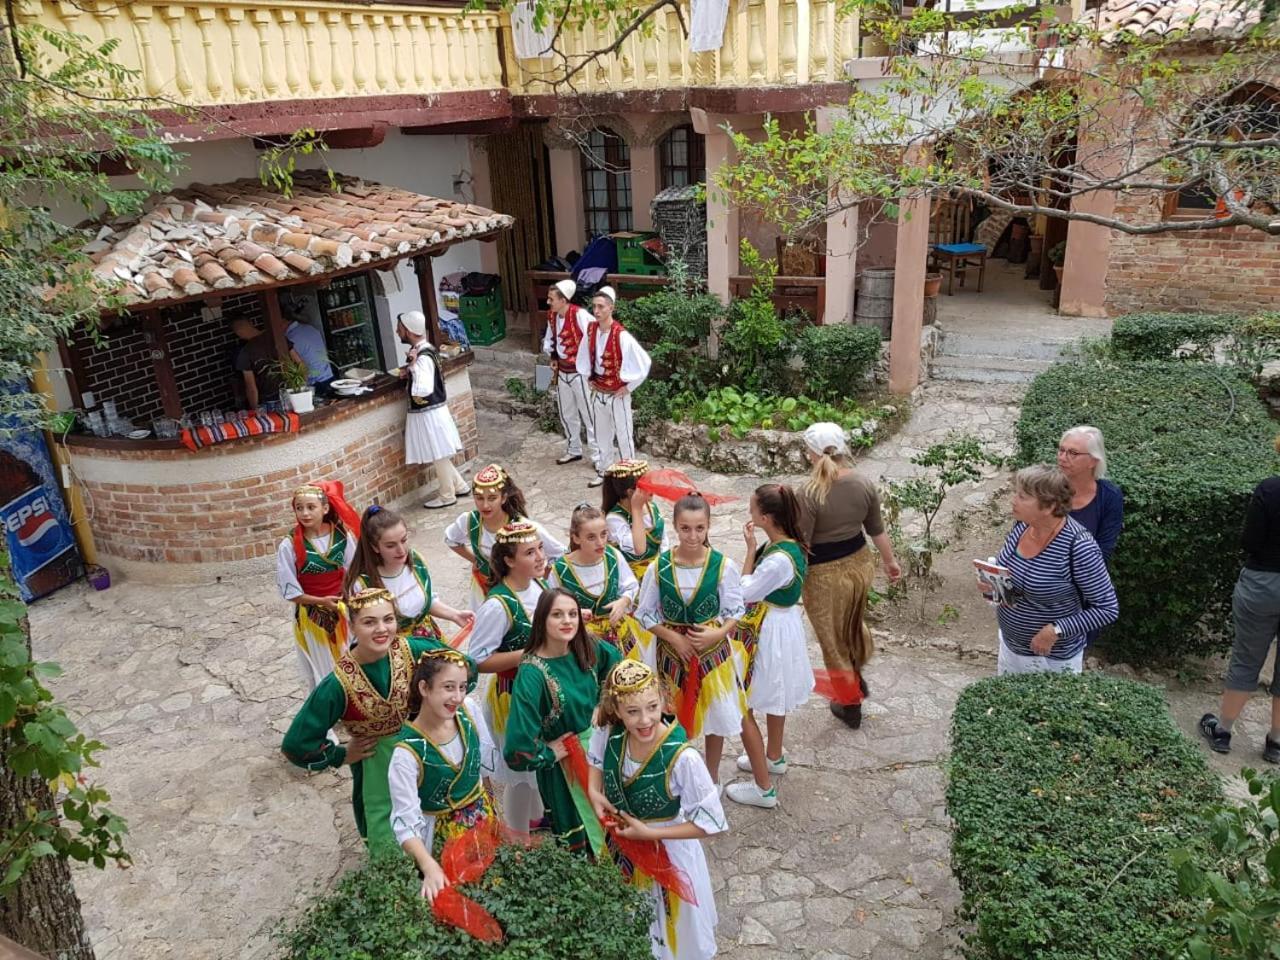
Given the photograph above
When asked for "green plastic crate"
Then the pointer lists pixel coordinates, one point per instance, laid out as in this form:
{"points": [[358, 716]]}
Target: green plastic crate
{"points": [[481, 306], [484, 331], [642, 269]]}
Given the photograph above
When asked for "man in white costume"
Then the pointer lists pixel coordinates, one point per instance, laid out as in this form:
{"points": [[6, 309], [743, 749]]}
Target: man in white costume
{"points": [[430, 434], [613, 364], [566, 326]]}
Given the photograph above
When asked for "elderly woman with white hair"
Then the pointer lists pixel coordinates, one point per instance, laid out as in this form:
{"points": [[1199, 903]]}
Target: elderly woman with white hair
{"points": [[840, 511], [1096, 503], [430, 433]]}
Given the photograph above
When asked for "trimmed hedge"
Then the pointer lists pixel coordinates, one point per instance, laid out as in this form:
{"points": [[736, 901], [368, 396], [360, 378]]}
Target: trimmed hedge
{"points": [[1170, 336], [550, 903], [838, 359], [1069, 795], [1186, 442]]}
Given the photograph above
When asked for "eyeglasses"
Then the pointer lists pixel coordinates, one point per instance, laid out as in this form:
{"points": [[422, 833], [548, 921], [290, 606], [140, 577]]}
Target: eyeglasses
{"points": [[1072, 454]]}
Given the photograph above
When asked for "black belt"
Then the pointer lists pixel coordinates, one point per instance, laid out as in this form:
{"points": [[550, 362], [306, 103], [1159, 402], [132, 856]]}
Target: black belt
{"points": [[836, 549]]}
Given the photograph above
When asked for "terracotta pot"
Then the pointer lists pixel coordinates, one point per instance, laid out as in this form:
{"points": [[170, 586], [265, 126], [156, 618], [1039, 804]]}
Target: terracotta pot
{"points": [[932, 284], [1057, 272]]}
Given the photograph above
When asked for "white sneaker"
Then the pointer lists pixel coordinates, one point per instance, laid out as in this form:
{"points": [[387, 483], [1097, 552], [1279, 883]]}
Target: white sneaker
{"points": [[747, 792], [776, 768], [439, 503]]}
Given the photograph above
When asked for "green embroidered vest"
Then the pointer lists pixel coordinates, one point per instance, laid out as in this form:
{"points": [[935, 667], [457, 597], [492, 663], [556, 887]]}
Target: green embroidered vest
{"points": [[646, 795], [517, 635], [317, 562], [652, 537], [441, 785], [406, 624], [474, 527], [789, 595], [568, 577], [704, 605]]}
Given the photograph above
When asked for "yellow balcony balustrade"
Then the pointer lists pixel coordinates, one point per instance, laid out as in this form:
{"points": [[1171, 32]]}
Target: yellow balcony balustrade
{"points": [[766, 43], [205, 54]]}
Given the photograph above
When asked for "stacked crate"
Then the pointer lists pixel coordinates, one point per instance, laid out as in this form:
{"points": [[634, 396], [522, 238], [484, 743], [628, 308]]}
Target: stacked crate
{"points": [[633, 258], [680, 217], [483, 317]]}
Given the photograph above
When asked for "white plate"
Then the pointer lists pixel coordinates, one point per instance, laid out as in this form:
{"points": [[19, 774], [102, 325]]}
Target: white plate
{"points": [[139, 434], [347, 384]]}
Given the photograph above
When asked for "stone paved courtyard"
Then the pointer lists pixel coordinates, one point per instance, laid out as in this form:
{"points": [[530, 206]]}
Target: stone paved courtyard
{"points": [[192, 688]]}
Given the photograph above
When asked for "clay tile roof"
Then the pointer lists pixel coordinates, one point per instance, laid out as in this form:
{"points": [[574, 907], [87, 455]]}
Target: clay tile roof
{"points": [[213, 238], [1154, 19]]}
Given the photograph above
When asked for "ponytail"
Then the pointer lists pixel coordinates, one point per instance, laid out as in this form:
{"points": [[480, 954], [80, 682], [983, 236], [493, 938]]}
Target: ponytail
{"points": [[513, 504], [824, 473], [780, 503]]}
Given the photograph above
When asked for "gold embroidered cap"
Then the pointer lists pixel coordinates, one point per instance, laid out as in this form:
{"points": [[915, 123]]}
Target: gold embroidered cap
{"points": [[367, 598], [309, 491], [627, 468], [631, 676], [492, 477], [518, 531], [444, 653]]}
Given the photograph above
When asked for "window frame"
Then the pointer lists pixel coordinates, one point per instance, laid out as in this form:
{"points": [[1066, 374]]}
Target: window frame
{"points": [[612, 177], [694, 167]]}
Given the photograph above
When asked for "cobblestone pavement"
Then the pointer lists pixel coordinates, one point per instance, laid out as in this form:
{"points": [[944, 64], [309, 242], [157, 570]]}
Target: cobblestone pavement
{"points": [[192, 688]]}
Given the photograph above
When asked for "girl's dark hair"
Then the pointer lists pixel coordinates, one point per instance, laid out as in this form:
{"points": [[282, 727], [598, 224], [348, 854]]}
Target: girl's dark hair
{"points": [[513, 504], [780, 503], [374, 524], [688, 504], [426, 672], [500, 558], [583, 644], [615, 489], [581, 514]]}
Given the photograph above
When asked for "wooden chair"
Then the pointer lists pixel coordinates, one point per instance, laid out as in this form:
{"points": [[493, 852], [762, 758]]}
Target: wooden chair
{"points": [[953, 258]]}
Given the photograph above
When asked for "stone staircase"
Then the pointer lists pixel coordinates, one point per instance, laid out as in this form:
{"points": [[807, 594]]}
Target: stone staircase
{"points": [[989, 358]]}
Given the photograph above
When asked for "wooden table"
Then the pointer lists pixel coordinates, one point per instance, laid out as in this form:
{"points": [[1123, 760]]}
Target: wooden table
{"points": [[629, 287], [790, 293], [953, 258]]}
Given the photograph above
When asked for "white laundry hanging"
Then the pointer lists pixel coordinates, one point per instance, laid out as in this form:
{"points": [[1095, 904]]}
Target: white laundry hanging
{"points": [[530, 43], [706, 27]]}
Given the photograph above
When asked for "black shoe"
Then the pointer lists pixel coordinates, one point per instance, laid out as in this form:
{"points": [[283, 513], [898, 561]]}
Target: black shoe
{"points": [[1271, 751], [568, 458], [851, 716], [862, 685], [1220, 740]]}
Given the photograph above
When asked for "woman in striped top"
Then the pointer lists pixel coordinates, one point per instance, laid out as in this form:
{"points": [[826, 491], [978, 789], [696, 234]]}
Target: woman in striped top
{"points": [[1061, 588]]}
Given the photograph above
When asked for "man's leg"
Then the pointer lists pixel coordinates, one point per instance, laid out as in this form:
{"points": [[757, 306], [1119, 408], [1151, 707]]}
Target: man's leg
{"points": [[602, 413], [623, 426], [582, 397], [570, 412]]}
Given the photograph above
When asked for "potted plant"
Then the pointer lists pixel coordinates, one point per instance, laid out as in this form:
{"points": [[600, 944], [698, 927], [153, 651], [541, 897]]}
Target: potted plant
{"points": [[1057, 256], [932, 284], [293, 374]]}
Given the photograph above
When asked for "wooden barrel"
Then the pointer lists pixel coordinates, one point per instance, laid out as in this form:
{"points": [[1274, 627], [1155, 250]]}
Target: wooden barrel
{"points": [[875, 299]]}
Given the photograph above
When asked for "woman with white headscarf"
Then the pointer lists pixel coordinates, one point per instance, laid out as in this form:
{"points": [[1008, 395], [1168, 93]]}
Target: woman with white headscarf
{"points": [[430, 434], [840, 511]]}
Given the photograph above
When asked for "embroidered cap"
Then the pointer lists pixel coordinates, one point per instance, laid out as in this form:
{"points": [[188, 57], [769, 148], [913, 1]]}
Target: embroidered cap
{"points": [[309, 491], [518, 531], [368, 598], [444, 653], [492, 477], [631, 676], [627, 468]]}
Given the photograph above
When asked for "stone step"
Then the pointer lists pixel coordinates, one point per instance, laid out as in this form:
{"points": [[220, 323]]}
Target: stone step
{"points": [[987, 369], [1017, 348]]}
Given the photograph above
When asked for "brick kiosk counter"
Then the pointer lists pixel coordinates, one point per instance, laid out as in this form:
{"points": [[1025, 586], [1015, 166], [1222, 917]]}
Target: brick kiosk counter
{"points": [[162, 513]]}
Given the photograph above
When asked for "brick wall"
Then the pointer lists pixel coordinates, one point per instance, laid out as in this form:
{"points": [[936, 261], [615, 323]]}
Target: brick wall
{"points": [[119, 369], [228, 521], [1234, 270]]}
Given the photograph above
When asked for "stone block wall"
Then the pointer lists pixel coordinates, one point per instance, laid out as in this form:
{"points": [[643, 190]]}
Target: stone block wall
{"points": [[1233, 270], [173, 514]]}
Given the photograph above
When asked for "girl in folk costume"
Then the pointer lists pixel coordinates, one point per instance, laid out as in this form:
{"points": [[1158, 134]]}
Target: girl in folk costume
{"points": [[435, 772], [777, 676], [633, 520], [498, 501], [369, 692], [385, 559], [603, 584], [430, 434], [648, 779], [566, 326], [498, 640], [614, 365], [310, 565], [554, 698], [691, 599]]}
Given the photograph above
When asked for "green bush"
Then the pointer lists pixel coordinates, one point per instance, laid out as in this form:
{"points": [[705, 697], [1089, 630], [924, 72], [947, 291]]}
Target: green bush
{"points": [[1187, 443], [739, 411], [673, 325], [550, 903], [1170, 336], [1069, 794], [756, 343], [838, 359], [1256, 342]]}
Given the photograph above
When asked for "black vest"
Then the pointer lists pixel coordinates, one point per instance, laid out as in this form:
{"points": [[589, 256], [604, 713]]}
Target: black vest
{"points": [[437, 395]]}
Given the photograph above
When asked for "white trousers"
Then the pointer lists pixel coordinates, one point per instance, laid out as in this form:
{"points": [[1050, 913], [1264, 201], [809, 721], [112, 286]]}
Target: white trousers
{"points": [[575, 414], [611, 414]]}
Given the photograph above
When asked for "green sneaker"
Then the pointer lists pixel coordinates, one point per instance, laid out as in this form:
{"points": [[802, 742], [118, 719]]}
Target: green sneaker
{"points": [[746, 792], [776, 768]]}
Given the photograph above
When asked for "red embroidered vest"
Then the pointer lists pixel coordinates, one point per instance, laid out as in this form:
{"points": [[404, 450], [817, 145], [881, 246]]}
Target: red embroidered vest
{"points": [[606, 374], [568, 337]]}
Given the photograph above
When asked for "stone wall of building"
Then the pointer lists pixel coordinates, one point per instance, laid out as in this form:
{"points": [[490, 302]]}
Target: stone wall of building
{"points": [[174, 514]]}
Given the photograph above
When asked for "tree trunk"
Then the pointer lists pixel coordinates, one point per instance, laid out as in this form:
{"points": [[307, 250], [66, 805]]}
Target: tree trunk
{"points": [[43, 913]]}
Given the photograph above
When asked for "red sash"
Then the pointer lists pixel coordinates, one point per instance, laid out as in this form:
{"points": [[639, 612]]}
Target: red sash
{"points": [[325, 584]]}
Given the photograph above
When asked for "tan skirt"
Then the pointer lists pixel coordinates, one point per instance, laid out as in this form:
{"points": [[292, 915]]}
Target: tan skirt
{"points": [[835, 598]]}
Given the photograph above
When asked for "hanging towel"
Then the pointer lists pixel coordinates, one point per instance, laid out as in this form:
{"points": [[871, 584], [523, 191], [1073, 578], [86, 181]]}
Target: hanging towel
{"points": [[706, 29], [530, 43]]}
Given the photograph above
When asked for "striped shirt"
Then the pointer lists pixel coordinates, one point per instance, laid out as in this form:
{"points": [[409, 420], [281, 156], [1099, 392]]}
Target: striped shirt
{"points": [[1066, 584]]}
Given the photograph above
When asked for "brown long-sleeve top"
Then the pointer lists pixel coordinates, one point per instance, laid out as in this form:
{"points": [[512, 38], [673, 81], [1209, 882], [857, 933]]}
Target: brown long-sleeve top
{"points": [[852, 507]]}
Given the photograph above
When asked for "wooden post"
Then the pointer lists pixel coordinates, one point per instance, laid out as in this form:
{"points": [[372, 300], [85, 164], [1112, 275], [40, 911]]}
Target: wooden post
{"points": [[76, 378], [275, 321], [153, 323], [427, 293]]}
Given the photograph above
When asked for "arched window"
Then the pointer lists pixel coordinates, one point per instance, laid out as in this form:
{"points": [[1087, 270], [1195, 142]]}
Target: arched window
{"points": [[606, 182], [683, 155], [1250, 113]]}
